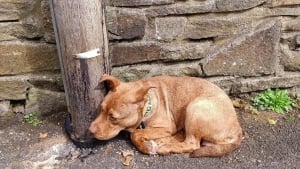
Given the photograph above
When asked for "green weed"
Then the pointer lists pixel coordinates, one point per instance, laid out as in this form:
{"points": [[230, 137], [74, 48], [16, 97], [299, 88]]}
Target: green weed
{"points": [[32, 119], [275, 100]]}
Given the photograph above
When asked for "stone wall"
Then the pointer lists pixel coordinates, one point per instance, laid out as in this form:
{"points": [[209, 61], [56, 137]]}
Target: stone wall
{"points": [[241, 45]]}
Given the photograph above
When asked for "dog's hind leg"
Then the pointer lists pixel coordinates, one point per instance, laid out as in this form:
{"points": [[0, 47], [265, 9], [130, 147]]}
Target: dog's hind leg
{"points": [[209, 120], [214, 150]]}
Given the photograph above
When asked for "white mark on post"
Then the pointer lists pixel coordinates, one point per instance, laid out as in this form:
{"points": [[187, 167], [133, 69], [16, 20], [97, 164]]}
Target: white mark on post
{"points": [[89, 54]]}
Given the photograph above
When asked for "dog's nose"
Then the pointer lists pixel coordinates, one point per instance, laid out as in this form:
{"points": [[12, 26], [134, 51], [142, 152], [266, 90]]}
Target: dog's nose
{"points": [[93, 129]]}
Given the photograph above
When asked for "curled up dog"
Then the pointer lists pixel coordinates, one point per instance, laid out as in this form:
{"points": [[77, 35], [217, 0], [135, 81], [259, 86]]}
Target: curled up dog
{"points": [[181, 115]]}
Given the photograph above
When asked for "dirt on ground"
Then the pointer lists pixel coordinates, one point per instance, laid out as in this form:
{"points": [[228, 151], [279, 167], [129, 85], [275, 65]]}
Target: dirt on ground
{"points": [[265, 145]]}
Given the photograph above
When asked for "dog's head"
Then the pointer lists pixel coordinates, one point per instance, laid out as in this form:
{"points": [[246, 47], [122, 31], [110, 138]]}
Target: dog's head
{"points": [[121, 108]]}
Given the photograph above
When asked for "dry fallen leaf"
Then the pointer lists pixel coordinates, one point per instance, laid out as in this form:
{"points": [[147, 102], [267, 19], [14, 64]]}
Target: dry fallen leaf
{"points": [[237, 103], [255, 112], [272, 121], [43, 135], [127, 157], [108, 150]]}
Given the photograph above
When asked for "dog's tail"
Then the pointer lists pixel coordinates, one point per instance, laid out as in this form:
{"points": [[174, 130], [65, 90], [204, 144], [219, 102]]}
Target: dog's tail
{"points": [[215, 150]]}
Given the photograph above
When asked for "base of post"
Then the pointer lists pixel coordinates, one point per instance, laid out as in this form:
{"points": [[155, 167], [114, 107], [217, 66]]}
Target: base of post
{"points": [[79, 143]]}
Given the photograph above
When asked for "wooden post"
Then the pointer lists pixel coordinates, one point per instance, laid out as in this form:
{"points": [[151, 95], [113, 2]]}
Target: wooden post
{"points": [[82, 45]]}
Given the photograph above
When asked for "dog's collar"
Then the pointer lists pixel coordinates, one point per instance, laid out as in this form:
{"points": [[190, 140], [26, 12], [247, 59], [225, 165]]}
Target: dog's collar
{"points": [[148, 110]]}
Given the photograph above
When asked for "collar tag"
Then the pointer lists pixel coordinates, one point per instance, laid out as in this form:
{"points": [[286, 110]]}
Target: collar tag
{"points": [[149, 106], [147, 111]]}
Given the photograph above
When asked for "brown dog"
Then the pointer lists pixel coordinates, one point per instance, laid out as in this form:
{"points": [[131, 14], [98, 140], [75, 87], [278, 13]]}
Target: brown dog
{"points": [[181, 115]]}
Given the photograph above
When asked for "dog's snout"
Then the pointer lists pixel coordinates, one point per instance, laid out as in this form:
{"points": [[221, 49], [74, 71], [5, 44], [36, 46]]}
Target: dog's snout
{"points": [[93, 128]]}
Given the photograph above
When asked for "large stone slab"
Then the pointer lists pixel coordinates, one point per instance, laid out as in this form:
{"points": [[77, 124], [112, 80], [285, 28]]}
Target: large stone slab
{"points": [[284, 11], [24, 12], [8, 30], [184, 51], [263, 83], [46, 80], [13, 9], [21, 57], [275, 3], [23, 29], [132, 73], [170, 28], [49, 35], [13, 88], [125, 24], [253, 54], [16, 87], [237, 5], [9, 15], [181, 9], [45, 102], [199, 27], [291, 24], [133, 3], [224, 83], [32, 27], [209, 6], [290, 58], [131, 53]]}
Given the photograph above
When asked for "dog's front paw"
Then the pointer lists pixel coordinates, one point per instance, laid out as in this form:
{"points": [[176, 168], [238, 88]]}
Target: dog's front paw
{"points": [[151, 146]]}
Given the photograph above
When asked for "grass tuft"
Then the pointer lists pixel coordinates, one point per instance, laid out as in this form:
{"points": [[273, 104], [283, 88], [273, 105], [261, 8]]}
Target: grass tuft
{"points": [[275, 100]]}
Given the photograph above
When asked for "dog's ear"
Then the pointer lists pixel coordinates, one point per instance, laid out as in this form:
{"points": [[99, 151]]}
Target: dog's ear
{"points": [[142, 93], [111, 82]]}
